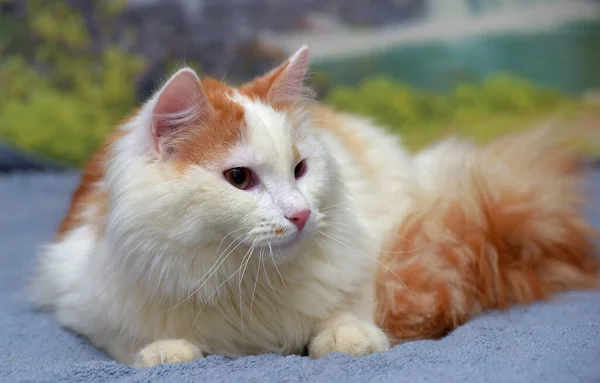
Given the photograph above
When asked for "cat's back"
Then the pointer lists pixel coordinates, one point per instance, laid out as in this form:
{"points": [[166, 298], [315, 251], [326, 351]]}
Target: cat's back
{"points": [[85, 194]]}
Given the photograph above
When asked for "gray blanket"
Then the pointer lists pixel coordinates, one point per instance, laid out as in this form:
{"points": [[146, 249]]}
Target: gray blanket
{"points": [[556, 341]]}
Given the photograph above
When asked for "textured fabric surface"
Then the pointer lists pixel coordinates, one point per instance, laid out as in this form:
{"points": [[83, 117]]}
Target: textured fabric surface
{"points": [[556, 341]]}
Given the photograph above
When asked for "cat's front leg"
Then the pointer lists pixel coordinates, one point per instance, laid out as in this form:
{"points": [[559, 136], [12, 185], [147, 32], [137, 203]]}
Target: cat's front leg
{"points": [[167, 351], [347, 334]]}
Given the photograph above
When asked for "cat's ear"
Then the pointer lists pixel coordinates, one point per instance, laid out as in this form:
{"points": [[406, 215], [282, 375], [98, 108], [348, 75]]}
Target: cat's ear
{"points": [[180, 104], [287, 82]]}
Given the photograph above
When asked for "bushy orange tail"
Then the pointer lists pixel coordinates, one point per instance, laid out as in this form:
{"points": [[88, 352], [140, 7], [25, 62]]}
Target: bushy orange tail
{"points": [[500, 226]]}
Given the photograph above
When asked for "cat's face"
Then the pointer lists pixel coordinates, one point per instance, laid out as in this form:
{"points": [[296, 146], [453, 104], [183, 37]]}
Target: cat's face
{"points": [[271, 184], [240, 166]]}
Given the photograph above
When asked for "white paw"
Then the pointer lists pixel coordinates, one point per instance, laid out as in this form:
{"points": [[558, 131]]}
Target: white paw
{"points": [[354, 338], [167, 352]]}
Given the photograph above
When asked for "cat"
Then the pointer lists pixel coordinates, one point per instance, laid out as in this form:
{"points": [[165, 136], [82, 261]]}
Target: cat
{"points": [[238, 221], [492, 226], [229, 221]]}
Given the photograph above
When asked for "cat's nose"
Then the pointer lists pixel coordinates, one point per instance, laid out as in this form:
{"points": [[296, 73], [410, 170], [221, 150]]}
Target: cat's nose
{"points": [[299, 218]]}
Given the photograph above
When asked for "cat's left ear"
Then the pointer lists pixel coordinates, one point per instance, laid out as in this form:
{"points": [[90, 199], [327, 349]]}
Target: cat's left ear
{"points": [[287, 83], [284, 84]]}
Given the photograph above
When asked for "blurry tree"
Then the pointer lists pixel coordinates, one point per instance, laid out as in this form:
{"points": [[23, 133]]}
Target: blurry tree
{"points": [[61, 95], [484, 110], [397, 105]]}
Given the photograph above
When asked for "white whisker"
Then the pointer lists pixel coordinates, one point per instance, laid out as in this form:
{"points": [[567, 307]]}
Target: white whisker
{"points": [[255, 283], [244, 265], [280, 276], [323, 246], [219, 287], [211, 271], [386, 252], [262, 261], [207, 278], [231, 232]]}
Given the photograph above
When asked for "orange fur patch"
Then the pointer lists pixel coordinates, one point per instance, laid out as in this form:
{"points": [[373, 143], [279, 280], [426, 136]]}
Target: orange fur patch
{"points": [[208, 143], [87, 195], [259, 87], [513, 233]]}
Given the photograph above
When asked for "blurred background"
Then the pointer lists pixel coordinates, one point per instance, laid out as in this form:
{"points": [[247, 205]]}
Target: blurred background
{"points": [[71, 69]]}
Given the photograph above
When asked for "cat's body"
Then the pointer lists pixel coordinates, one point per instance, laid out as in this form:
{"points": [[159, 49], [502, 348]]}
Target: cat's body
{"points": [[244, 221], [142, 257]]}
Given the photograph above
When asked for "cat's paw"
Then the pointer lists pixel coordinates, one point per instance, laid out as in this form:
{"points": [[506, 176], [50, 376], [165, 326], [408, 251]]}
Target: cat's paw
{"points": [[354, 338], [167, 352]]}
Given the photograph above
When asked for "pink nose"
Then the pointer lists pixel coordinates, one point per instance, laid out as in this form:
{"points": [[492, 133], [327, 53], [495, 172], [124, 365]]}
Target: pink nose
{"points": [[299, 218]]}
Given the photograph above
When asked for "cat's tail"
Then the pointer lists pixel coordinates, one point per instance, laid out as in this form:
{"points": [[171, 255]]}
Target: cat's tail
{"points": [[494, 226]]}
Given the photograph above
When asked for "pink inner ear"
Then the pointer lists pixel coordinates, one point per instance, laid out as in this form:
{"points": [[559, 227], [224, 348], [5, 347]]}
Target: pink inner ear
{"points": [[289, 85], [181, 103]]}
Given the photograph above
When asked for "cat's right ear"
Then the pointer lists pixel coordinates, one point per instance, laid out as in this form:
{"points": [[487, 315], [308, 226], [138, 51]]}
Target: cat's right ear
{"points": [[179, 105]]}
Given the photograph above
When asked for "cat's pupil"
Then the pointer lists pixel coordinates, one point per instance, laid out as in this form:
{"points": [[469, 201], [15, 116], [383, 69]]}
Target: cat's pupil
{"points": [[238, 176], [299, 169]]}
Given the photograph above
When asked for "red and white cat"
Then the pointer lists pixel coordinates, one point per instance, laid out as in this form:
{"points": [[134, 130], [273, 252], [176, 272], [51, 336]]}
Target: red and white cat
{"points": [[236, 221]]}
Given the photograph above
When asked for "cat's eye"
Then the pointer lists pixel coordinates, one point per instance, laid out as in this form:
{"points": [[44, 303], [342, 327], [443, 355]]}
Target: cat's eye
{"points": [[241, 178], [300, 169]]}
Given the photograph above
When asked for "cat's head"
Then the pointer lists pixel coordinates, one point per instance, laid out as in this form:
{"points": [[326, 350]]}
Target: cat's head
{"points": [[204, 160]]}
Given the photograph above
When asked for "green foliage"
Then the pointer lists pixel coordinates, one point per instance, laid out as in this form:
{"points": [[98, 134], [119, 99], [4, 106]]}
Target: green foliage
{"points": [[18, 80], [61, 99], [401, 107], [55, 124], [500, 104]]}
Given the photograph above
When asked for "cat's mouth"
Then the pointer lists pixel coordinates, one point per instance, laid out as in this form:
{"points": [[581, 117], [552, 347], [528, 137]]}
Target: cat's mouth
{"points": [[280, 240], [291, 241], [285, 244]]}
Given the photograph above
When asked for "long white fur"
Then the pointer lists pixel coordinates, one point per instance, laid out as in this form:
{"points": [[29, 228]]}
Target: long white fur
{"points": [[191, 266]]}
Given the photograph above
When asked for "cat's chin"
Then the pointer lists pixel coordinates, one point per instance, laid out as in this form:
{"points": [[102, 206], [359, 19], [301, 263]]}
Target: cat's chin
{"points": [[287, 243], [287, 247]]}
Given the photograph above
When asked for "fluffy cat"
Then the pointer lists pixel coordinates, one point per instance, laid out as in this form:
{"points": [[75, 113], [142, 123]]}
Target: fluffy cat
{"points": [[236, 221], [227, 221]]}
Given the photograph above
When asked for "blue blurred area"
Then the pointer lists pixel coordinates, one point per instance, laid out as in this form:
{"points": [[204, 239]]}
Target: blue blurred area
{"points": [[14, 160]]}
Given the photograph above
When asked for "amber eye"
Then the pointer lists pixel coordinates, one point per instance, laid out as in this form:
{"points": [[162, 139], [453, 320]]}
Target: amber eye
{"points": [[300, 169], [241, 178]]}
